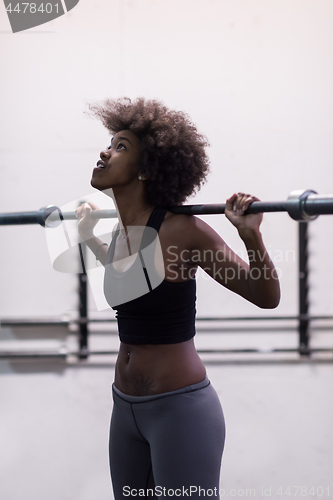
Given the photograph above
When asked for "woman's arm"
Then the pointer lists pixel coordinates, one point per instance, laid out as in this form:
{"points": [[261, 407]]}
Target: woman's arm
{"points": [[98, 247], [86, 230], [257, 281]]}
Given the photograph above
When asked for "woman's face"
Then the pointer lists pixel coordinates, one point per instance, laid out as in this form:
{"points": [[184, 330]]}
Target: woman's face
{"points": [[119, 164]]}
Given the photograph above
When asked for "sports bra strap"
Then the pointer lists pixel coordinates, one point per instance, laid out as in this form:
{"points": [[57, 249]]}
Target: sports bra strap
{"points": [[155, 220]]}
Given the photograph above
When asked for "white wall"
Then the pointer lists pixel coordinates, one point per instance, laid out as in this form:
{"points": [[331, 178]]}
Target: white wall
{"points": [[256, 76]]}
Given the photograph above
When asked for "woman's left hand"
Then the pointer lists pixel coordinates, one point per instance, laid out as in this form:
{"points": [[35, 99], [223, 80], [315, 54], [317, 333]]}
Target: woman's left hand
{"points": [[236, 205]]}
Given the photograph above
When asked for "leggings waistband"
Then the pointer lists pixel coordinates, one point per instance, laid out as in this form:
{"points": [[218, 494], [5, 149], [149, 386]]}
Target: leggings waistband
{"points": [[143, 399]]}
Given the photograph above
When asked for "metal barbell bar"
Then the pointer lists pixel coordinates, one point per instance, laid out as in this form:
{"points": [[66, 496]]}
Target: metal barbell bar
{"points": [[301, 205]]}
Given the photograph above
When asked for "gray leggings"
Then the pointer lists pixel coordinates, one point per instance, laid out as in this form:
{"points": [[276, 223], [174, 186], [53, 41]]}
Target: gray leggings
{"points": [[167, 444]]}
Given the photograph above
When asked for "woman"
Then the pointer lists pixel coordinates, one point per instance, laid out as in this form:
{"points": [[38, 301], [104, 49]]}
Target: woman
{"points": [[167, 428]]}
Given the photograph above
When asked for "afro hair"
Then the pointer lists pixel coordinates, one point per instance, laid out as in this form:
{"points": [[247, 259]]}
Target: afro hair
{"points": [[174, 159]]}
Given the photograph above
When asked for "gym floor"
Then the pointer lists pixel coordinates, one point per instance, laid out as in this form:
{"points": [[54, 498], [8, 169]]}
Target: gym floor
{"points": [[55, 419]]}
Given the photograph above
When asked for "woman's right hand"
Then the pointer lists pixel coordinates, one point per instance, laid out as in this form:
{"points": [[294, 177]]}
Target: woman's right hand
{"points": [[86, 222]]}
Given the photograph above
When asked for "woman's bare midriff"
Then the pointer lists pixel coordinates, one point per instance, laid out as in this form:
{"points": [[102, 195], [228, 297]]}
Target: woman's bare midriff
{"points": [[142, 370]]}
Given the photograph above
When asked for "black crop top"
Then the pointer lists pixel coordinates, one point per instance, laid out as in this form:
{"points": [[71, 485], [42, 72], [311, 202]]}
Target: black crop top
{"points": [[161, 311]]}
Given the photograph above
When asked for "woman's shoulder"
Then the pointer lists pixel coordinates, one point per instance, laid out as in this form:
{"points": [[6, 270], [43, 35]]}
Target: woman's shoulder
{"points": [[183, 222], [182, 226], [190, 229], [179, 222]]}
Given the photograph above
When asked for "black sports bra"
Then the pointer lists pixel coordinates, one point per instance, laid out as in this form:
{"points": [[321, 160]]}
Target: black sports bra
{"points": [[149, 310]]}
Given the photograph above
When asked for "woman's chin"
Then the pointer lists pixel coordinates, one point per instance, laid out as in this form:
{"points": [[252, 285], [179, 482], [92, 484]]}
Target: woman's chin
{"points": [[95, 184]]}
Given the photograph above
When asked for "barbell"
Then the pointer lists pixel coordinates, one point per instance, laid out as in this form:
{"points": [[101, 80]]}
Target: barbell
{"points": [[301, 205]]}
